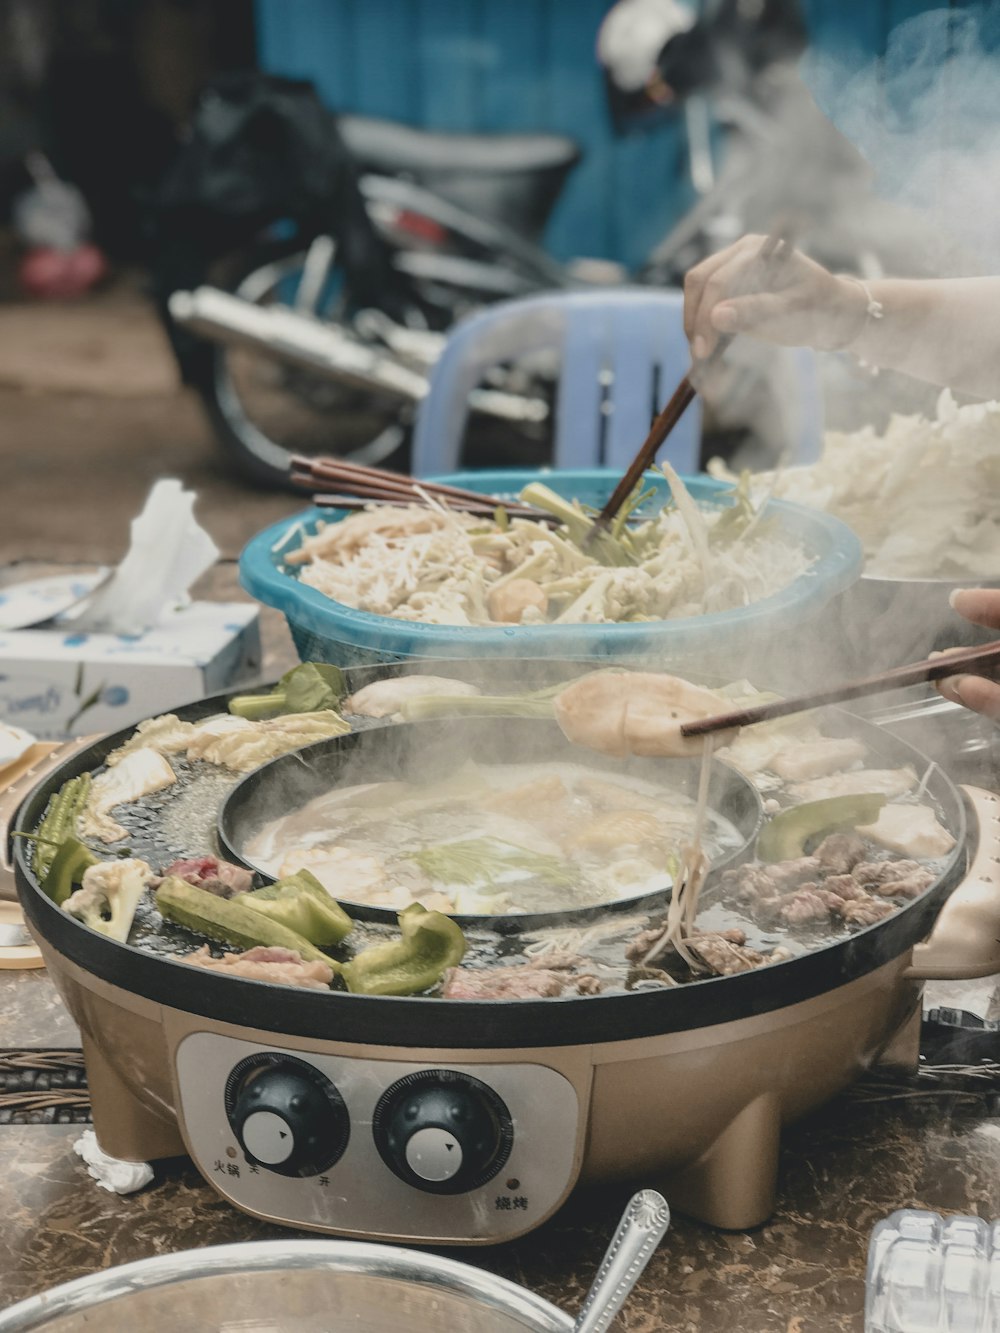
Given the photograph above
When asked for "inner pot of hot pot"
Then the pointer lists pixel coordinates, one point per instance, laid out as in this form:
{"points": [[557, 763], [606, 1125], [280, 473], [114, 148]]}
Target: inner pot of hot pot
{"points": [[500, 822]]}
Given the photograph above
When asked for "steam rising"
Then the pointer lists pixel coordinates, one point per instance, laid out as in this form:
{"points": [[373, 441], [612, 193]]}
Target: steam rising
{"points": [[926, 119]]}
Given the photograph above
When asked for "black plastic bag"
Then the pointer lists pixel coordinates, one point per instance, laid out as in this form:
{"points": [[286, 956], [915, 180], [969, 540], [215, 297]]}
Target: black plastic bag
{"points": [[263, 149]]}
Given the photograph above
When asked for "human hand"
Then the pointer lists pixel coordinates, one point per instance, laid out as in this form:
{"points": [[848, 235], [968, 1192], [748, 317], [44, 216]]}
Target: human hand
{"points": [[788, 300], [982, 607]]}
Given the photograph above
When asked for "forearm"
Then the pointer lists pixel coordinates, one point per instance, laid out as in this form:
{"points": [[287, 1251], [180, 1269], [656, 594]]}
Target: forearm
{"points": [[946, 331]]}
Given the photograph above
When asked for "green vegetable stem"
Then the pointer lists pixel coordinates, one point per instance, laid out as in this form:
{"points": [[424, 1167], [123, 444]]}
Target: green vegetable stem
{"points": [[228, 920], [300, 903], [481, 860], [307, 688], [424, 706], [786, 836], [605, 547], [59, 822]]}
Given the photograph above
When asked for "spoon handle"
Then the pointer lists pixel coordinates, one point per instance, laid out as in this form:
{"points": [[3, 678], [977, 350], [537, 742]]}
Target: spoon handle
{"points": [[641, 1229]]}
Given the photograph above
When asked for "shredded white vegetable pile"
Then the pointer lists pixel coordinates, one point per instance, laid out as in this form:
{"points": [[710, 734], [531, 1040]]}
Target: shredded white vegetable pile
{"points": [[444, 568], [924, 496]]}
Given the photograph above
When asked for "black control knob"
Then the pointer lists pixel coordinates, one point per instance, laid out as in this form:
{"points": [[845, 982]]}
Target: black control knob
{"points": [[442, 1131], [288, 1117]]}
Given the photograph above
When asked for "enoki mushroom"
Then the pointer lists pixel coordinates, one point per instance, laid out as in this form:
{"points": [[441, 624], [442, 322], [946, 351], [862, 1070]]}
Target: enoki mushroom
{"points": [[690, 876]]}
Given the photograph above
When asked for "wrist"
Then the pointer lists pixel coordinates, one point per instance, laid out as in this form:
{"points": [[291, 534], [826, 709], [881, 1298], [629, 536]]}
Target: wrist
{"points": [[849, 312]]}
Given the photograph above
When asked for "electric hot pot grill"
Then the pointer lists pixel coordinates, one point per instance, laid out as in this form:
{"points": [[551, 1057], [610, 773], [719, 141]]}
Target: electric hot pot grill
{"points": [[685, 1088]]}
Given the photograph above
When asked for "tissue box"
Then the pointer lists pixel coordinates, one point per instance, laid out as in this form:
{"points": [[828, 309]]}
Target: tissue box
{"points": [[56, 683]]}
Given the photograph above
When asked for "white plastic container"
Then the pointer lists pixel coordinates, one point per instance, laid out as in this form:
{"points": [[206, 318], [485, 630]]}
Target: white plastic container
{"points": [[929, 1274]]}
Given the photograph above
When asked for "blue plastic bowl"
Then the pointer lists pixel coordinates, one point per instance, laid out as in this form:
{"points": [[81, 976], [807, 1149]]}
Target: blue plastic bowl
{"points": [[327, 631]]}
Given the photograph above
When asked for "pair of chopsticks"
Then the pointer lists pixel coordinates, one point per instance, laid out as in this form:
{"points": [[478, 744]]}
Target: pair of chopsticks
{"points": [[775, 248], [337, 484], [971, 661]]}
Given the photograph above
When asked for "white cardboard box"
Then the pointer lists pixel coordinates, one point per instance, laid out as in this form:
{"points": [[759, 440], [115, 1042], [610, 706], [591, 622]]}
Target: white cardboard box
{"points": [[56, 683]]}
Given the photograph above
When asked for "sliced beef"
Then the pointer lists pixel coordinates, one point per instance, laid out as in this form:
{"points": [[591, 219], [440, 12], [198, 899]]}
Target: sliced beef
{"points": [[866, 911], [207, 872], [839, 853], [872, 874], [767, 911], [749, 883], [910, 885], [519, 981], [845, 887], [786, 875], [722, 957], [282, 967], [640, 945], [589, 985], [894, 879], [805, 906]]}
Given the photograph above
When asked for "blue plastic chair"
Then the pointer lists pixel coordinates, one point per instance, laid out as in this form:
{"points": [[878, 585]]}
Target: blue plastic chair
{"points": [[622, 353]]}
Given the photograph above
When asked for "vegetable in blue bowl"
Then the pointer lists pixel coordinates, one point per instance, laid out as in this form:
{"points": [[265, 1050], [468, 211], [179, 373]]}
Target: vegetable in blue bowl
{"points": [[326, 630]]}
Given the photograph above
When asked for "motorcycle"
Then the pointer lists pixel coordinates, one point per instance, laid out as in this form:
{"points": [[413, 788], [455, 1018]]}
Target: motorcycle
{"points": [[323, 339], [337, 325]]}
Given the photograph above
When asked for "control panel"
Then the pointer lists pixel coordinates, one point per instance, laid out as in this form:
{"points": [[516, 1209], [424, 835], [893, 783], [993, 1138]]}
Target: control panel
{"points": [[378, 1148]]}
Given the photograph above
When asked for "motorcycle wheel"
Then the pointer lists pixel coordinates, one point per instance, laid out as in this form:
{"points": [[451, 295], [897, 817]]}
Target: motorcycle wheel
{"points": [[265, 411]]}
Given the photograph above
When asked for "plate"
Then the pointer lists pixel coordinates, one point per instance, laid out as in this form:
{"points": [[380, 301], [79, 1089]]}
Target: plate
{"points": [[39, 600]]}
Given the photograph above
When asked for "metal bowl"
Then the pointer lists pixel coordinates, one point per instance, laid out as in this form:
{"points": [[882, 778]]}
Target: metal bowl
{"points": [[289, 1286], [879, 623]]}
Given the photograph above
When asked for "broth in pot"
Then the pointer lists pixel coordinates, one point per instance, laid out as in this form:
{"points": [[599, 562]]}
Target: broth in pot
{"points": [[493, 839]]}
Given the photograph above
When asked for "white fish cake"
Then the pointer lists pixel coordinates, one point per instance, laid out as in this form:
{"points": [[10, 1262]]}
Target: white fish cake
{"points": [[817, 759], [911, 830], [879, 781]]}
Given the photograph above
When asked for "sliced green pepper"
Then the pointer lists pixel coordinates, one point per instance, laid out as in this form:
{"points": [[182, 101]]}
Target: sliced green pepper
{"points": [[224, 919], [301, 903], [67, 868], [785, 837], [431, 943]]}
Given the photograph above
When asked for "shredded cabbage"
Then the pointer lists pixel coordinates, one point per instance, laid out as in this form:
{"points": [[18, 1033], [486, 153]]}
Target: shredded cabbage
{"points": [[924, 496]]}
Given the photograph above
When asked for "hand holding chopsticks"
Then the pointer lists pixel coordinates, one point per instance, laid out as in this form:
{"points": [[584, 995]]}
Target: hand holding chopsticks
{"points": [[974, 661], [773, 250]]}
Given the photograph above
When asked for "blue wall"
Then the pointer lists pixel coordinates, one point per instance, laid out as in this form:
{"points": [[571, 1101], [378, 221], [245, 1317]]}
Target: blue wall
{"points": [[528, 65]]}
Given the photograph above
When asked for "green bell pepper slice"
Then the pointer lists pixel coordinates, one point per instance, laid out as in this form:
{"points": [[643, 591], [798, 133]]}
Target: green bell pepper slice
{"points": [[431, 943], [66, 871], [301, 903]]}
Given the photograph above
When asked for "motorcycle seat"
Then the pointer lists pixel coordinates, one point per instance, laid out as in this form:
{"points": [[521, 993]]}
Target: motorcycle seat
{"points": [[396, 149], [513, 179]]}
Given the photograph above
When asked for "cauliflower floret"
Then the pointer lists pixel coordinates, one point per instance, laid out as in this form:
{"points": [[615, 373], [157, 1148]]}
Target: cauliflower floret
{"points": [[109, 896], [632, 593]]}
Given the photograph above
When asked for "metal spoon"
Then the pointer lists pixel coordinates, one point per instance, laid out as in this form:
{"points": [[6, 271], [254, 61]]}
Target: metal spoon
{"points": [[643, 1226]]}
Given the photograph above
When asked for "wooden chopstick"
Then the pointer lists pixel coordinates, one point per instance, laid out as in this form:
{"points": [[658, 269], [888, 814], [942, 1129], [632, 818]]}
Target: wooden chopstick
{"points": [[348, 475], [486, 509], [933, 668], [355, 485], [677, 405]]}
